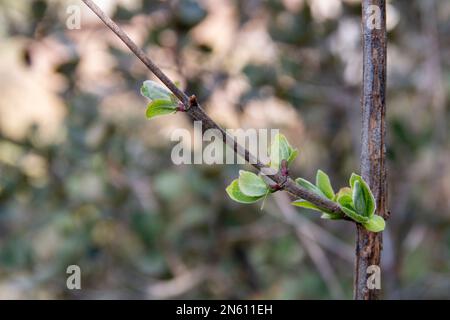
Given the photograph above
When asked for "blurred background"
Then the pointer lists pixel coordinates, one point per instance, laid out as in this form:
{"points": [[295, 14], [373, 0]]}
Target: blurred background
{"points": [[85, 179]]}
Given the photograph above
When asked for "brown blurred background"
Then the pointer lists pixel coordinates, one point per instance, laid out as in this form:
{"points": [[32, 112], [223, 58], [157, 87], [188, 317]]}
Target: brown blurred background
{"points": [[85, 179]]}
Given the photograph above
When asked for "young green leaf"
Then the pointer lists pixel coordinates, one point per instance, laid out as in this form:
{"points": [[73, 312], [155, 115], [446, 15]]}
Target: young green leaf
{"points": [[309, 186], [324, 184], [235, 194], [365, 193], [353, 215], [345, 200], [279, 150], [332, 216], [375, 224], [352, 179], [359, 202], [154, 91], [160, 107], [305, 204], [293, 153], [308, 205], [343, 191], [252, 185], [173, 99]]}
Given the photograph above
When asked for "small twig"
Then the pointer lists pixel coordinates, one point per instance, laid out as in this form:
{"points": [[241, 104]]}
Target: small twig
{"points": [[193, 108], [137, 51]]}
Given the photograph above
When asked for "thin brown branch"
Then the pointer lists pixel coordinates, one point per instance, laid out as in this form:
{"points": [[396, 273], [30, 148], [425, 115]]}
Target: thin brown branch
{"points": [[137, 51], [198, 114]]}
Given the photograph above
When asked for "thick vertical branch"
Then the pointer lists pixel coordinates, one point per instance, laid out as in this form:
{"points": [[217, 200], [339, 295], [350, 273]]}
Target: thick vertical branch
{"points": [[373, 170]]}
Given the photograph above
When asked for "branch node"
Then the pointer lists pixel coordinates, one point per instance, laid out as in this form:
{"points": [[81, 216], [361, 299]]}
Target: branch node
{"points": [[193, 101], [284, 168], [181, 107], [284, 171], [275, 187]]}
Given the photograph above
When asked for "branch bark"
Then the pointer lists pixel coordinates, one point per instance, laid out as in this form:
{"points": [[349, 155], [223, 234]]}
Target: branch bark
{"points": [[197, 113], [369, 245], [373, 162]]}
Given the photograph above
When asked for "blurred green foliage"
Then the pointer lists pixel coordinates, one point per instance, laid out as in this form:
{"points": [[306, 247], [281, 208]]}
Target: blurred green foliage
{"points": [[102, 192]]}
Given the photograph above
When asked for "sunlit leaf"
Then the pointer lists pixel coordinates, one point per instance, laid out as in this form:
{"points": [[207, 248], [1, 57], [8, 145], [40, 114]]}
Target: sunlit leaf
{"points": [[353, 215], [354, 177], [342, 192], [359, 202], [279, 150], [367, 205], [309, 186], [235, 194], [324, 184], [160, 107], [305, 204], [375, 224], [252, 185], [293, 153], [155, 91], [332, 216], [345, 200]]}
